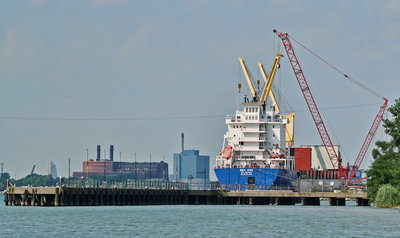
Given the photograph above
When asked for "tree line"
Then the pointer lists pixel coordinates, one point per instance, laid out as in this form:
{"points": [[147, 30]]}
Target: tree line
{"points": [[384, 174]]}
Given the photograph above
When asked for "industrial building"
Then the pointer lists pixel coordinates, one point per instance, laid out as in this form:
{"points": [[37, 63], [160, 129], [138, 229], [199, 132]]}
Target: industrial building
{"points": [[110, 168], [190, 165]]}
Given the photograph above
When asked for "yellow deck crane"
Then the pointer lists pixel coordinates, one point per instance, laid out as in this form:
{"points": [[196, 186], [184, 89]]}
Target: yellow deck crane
{"points": [[249, 82], [269, 81], [269, 92]]}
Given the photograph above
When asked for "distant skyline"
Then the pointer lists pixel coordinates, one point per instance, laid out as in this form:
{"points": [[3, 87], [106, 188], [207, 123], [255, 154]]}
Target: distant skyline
{"points": [[136, 74]]}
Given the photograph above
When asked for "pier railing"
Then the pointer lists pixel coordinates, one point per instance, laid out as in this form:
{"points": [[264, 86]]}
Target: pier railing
{"points": [[303, 186], [131, 184], [141, 184]]}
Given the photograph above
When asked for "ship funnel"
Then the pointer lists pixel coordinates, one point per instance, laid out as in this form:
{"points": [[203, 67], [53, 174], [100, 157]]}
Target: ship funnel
{"points": [[98, 153], [111, 153], [183, 141]]}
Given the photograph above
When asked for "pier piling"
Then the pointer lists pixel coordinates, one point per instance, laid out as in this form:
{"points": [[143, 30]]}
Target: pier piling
{"points": [[311, 201]]}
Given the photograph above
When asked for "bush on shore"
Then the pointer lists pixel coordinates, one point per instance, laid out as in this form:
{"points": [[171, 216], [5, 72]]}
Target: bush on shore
{"points": [[387, 196]]}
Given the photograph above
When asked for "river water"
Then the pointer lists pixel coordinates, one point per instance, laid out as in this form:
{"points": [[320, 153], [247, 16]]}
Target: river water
{"points": [[199, 221]]}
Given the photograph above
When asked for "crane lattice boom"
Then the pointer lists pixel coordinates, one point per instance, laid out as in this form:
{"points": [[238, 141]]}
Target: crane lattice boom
{"points": [[312, 106], [368, 140]]}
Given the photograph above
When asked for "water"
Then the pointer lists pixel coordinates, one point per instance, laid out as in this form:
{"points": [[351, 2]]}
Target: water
{"points": [[199, 221]]}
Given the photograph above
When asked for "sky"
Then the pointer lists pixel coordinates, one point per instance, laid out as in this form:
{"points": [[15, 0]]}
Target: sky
{"points": [[136, 74]]}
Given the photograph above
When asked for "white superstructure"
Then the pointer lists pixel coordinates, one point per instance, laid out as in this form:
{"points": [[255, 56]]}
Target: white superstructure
{"points": [[255, 138]]}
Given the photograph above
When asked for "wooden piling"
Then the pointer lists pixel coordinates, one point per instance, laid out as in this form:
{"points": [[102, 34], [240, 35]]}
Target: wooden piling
{"points": [[57, 197]]}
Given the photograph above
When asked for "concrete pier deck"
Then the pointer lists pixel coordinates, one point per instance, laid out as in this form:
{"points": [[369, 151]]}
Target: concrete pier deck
{"points": [[97, 196], [288, 197]]}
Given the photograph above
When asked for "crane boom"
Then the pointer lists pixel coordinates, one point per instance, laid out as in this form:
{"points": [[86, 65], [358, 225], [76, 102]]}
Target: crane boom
{"points": [[270, 80], [290, 130], [246, 74], [271, 92], [368, 139], [33, 169], [290, 126], [312, 106]]}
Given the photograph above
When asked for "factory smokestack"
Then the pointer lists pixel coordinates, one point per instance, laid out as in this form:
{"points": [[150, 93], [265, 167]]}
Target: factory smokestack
{"points": [[98, 153], [183, 141], [111, 152]]}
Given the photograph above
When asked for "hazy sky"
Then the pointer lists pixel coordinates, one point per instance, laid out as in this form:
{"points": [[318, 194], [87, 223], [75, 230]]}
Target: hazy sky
{"points": [[135, 74]]}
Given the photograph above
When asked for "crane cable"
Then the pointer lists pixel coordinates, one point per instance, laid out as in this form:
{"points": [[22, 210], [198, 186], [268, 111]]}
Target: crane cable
{"points": [[337, 70]]}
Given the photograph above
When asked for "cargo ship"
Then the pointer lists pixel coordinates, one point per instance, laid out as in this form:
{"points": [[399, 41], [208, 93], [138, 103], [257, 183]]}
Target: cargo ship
{"points": [[258, 150], [256, 147], [252, 156]]}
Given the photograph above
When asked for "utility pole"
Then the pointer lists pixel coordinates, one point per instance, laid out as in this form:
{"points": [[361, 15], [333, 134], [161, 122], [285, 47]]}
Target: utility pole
{"points": [[176, 167], [150, 170], [205, 173], [87, 165], [69, 169], [120, 168], [105, 167], [2, 171], [135, 168], [163, 173]]}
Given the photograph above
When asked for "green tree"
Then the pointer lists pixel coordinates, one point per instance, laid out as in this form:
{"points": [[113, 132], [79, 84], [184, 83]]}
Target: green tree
{"points": [[36, 180], [3, 181], [385, 168]]}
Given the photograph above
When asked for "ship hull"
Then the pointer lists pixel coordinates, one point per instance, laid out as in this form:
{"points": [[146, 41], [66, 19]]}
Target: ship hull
{"points": [[257, 178]]}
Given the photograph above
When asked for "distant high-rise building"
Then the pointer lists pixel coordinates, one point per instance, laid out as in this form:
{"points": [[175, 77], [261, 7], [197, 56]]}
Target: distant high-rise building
{"points": [[52, 170]]}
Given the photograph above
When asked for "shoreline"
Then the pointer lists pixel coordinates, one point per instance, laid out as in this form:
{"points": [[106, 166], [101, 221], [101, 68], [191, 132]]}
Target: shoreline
{"points": [[394, 207]]}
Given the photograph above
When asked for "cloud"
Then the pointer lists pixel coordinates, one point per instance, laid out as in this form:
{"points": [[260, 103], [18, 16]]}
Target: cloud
{"points": [[17, 55], [105, 3], [388, 8], [391, 7], [136, 42], [392, 30], [40, 2]]}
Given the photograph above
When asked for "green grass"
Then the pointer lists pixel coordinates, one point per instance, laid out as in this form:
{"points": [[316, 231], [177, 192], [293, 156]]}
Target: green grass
{"points": [[387, 196]]}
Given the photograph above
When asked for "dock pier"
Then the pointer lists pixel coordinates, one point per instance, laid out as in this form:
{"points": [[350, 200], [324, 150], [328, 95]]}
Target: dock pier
{"points": [[288, 197], [98, 196]]}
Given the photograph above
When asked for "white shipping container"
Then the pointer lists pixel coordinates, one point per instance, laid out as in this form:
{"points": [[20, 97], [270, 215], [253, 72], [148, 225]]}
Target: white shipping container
{"points": [[319, 157]]}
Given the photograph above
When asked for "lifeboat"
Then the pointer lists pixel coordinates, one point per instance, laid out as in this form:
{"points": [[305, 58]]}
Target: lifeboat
{"points": [[277, 155], [228, 152]]}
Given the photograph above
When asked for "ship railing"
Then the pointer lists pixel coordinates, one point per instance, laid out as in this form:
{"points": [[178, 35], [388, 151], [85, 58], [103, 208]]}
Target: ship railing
{"points": [[231, 118], [252, 139], [249, 130], [248, 148], [274, 120]]}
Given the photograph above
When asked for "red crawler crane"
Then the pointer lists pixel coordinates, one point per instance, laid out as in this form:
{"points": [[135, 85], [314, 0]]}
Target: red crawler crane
{"points": [[312, 106]]}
